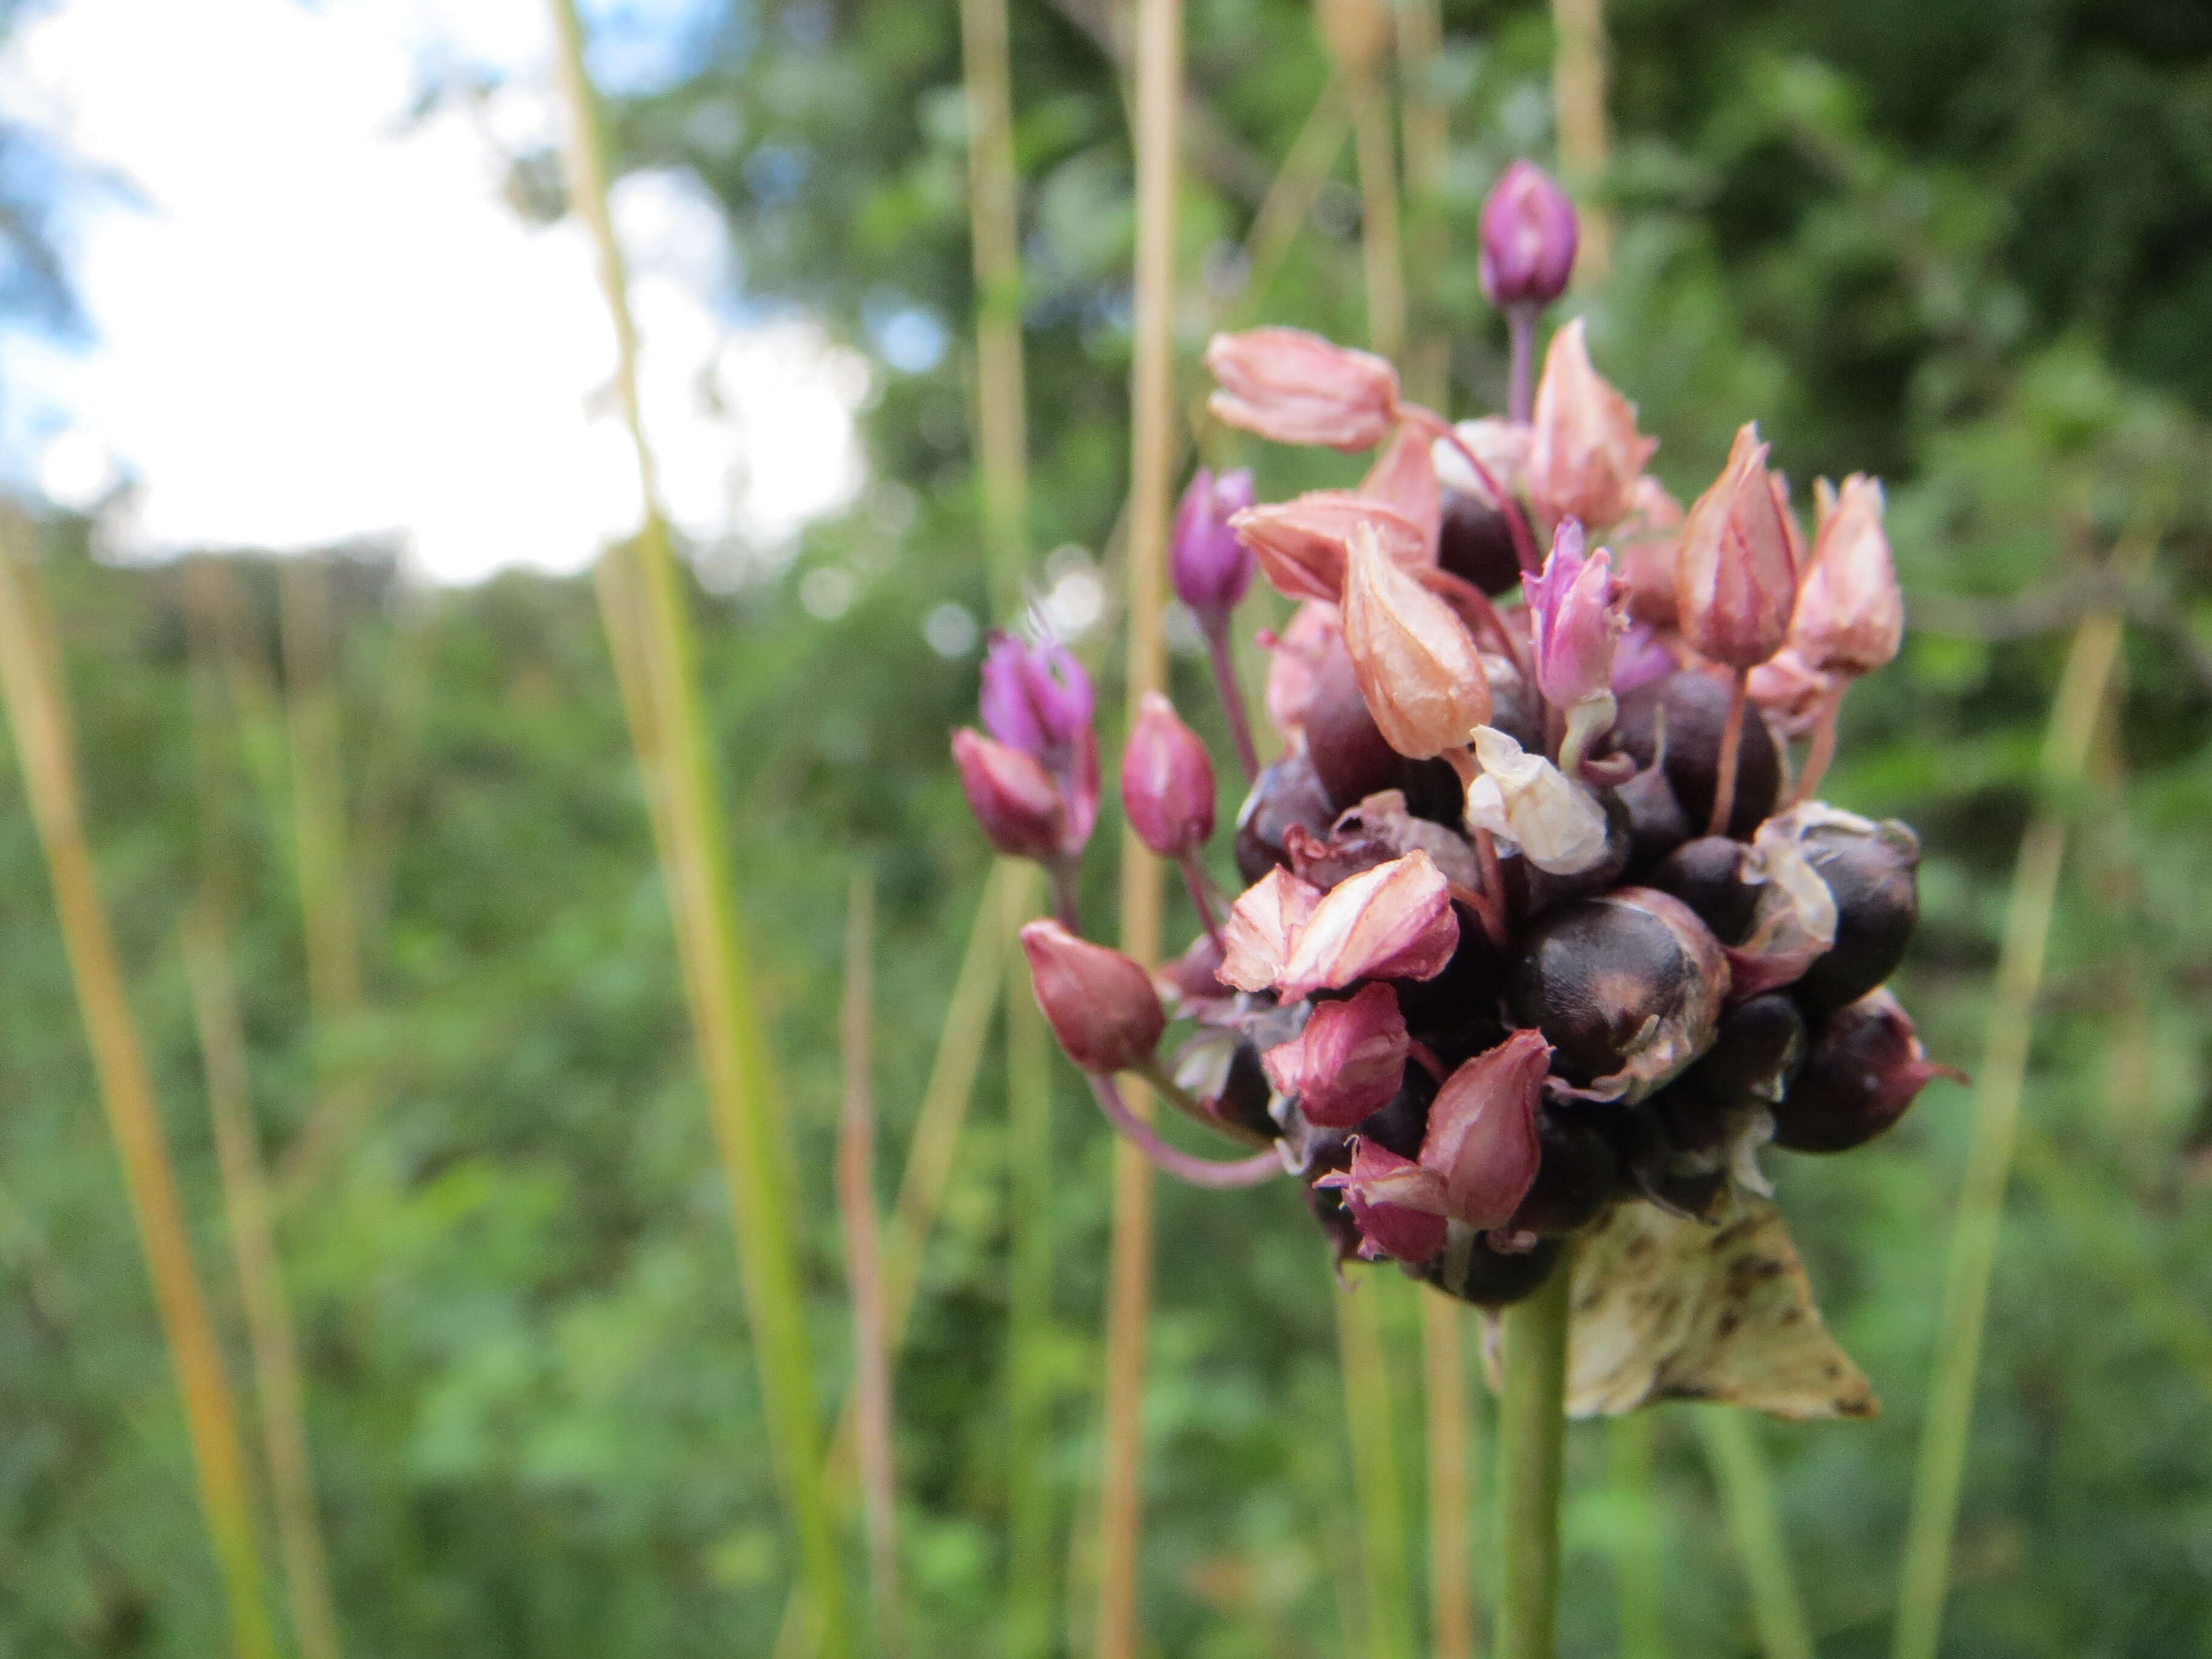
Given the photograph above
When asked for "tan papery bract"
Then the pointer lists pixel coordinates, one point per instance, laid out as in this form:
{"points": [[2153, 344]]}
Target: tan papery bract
{"points": [[1299, 388], [1789, 694], [1418, 670], [1585, 455], [1850, 616], [1301, 544]]}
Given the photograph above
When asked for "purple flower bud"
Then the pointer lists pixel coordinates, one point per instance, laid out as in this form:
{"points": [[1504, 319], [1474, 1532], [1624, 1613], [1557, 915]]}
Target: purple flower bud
{"points": [[1347, 1064], [1101, 1005], [1036, 697], [1575, 614], [1210, 567], [1167, 781], [1013, 799], [1482, 1142], [1397, 1205], [1528, 238]]}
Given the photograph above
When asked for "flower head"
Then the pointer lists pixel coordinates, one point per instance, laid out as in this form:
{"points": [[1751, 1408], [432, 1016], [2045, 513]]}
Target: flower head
{"points": [[1736, 580], [1167, 781], [1419, 673], [1528, 238], [1585, 456], [1101, 1005], [1210, 567], [1297, 388], [1850, 616]]}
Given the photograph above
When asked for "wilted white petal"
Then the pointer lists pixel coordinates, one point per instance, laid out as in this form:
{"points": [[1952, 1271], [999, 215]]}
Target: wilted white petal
{"points": [[1524, 799]]}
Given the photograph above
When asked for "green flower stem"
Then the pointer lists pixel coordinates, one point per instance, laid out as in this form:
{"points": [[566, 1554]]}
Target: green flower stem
{"points": [[1370, 1424], [1732, 1448], [1532, 1427], [1639, 1566]]}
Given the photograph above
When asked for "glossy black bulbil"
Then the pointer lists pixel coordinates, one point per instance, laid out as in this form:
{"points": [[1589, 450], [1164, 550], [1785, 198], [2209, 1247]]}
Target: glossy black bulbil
{"points": [[1756, 1052], [1695, 706], [1477, 545], [1707, 875], [1577, 1178], [1470, 1270], [1283, 794], [1597, 977], [1874, 877]]}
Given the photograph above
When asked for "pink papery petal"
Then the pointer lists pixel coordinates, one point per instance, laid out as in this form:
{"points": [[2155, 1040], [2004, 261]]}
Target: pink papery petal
{"points": [[1301, 544], [1299, 388], [1348, 1062], [1295, 662], [1481, 1141], [1397, 1205], [1404, 476], [1263, 927], [1395, 921]]}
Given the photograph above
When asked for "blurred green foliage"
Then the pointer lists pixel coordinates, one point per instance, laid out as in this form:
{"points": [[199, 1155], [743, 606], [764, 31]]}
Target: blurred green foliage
{"points": [[1968, 247]]}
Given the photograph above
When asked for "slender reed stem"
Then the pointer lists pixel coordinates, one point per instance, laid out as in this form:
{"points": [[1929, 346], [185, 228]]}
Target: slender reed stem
{"points": [[275, 1347], [1030, 1199], [1231, 690], [1369, 1423], [1639, 1566], [1157, 108], [32, 685], [1823, 749], [1444, 1423], [1725, 768], [1731, 1440], [1531, 1449], [1520, 368], [856, 1206], [1578, 78], [1383, 262], [1001, 418], [1292, 194], [1999, 1079], [1425, 134], [725, 1013]]}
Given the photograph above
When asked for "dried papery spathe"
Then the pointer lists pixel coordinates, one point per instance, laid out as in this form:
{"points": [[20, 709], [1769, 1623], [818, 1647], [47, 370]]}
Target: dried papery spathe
{"points": [[1529, 803], [1418, 672], [1299, 388], [1263, 928]]}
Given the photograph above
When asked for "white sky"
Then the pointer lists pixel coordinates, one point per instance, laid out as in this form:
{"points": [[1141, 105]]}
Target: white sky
{"points": [[318, 327]]}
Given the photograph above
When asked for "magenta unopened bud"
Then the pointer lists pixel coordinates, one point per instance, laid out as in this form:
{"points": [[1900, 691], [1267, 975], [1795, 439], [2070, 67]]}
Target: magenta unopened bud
{"points": [[1036, 697], [1101, 1005], [1482, 1141], [1529, 234], [1297, 388], [1397, 1205], [1348, 1062], [1167, 781], [1014, 800], [1210, 569]]}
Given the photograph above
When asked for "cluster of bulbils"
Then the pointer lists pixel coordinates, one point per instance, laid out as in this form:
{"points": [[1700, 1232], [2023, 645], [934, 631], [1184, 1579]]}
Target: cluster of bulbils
{"points": [[1539, 918]]}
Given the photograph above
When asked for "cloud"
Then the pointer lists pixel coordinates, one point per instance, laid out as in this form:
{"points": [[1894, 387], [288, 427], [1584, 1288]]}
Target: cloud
{"points": [[325, 324]]}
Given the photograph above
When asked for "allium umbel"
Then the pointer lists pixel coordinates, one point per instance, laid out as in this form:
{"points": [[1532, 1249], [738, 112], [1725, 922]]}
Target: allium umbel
{"points": [[1535, 939]]}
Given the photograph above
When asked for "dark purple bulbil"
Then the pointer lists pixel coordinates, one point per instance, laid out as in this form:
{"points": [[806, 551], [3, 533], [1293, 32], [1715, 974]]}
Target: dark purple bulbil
{"points": [[1875, 881], [1476, 544], [1472, 1271], [1287, 792], [1694, 706]]}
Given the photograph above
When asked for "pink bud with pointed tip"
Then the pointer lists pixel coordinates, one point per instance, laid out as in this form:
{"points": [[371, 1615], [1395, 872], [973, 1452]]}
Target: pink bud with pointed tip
{"points": [[1167, 781], [1585, 456], [1210, 567], [1575, 620], [1736, 579], [1850, 616], [1101, 1005], [1348, 1062], [1418, 671], [1297, 388], [1482, 1141], [1530, 233], [1014, 800], [1404, 476], [1263, 927], [1300, 543], [1397, 1205], [1395, 921]]}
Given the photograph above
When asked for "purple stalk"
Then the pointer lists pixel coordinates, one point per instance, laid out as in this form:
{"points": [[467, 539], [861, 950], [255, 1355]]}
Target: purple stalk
{"points": [[1521, 379], [1232, 696], [1061, 874], [1194, 877], [1259, 1168]]}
